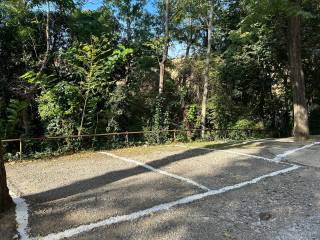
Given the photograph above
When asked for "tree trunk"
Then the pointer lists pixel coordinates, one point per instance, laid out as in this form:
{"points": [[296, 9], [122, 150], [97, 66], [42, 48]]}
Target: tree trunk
{"points": [[129, 31], [261, 109], [189, 38], [26, 121], [165, 47], [83, 114], [301, 127], [5, 198], [286, 116], [206, 72], [45, 59], [186, 72]]}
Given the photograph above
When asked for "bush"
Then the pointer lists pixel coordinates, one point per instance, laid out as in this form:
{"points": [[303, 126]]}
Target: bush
{"points": [[244, 129], [156, 133]]}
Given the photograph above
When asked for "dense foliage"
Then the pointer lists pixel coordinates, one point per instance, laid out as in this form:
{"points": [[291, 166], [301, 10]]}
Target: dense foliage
{"points": [[65, 70]]}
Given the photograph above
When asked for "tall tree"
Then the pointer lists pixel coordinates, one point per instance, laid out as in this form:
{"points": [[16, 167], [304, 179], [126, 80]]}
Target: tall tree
{"points": [[165, 46], [5, 198], [300, 112], [206, 69], [294, 11], [45, 59]]}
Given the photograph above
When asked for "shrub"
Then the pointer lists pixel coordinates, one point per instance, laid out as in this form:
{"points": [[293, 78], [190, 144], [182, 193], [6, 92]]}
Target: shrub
{"points": [[243, 129]]}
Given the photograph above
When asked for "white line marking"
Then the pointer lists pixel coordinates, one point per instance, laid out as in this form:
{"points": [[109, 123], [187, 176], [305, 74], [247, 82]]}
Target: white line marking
{"points": [[229, 151], [248, 155], [262, 140], [21, 215], [161, 207], [158, 170], [281, 156]]}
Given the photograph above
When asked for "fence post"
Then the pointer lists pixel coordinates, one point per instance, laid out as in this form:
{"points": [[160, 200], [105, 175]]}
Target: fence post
{"points": [[20, 148], [127, 138], [174, 135]]}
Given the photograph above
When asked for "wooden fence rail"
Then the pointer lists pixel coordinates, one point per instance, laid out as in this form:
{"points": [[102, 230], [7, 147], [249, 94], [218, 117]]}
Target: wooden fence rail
{"points": [[125, 134]]}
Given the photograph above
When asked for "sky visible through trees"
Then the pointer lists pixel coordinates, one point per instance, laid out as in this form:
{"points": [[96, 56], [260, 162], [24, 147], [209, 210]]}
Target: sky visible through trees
{"points": [[175, 50]]}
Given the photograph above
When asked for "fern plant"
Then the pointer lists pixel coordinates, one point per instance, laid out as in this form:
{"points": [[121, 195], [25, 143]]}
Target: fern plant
{"points": [[14, 114]]}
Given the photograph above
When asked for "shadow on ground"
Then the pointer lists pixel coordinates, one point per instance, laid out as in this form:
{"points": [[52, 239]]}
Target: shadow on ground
{"points": [[8, 224]]}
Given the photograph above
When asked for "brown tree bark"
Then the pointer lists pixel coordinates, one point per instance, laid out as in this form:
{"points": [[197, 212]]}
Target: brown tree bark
{"points": [[206, 72], [301, 126], [5, 198], [165, 47]]}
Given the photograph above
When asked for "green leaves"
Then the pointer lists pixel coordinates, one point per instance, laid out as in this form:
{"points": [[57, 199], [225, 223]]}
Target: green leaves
{"points": [[91, 72], [262, 10], [40, 79], [93, 63], [14, 109], [61, 101]]}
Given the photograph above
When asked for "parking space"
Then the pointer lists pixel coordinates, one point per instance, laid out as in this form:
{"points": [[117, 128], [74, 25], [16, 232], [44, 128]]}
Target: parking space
{"points": [[214, 169], [65, 194]]}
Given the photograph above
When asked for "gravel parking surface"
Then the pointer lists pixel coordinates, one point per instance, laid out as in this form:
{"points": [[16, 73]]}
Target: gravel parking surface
{"points": [[292, 201], [85, 188]]}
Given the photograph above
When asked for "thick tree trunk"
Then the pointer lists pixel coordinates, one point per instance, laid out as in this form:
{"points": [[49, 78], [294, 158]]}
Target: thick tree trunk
{"points": [[206, 72], [301, 127], [5, 198], [165, 47]]}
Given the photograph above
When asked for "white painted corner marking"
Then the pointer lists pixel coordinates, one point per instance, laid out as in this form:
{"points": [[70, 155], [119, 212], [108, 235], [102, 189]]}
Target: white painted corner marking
{"points": [[230, 151], [280, 157], [160, 207], [149, 167]]}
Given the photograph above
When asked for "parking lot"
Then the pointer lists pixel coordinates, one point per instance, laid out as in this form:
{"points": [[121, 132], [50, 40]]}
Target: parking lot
{"points": [[263, 189]]}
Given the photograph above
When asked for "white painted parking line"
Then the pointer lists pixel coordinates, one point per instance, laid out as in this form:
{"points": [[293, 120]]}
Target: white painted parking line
{"points": [[161, 207], [158, 170], [248, 155], [230, 151], [22, 216], [281, 156]]}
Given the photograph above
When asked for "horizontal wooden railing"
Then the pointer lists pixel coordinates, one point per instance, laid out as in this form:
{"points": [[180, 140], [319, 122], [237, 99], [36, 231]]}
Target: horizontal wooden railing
{"points": [[126, 134]]}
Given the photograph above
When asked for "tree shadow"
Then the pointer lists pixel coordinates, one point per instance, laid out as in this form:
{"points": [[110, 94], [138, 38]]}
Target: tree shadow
{"points": [[127, 197], [110, 177], [244, 144], [114, 176]]}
